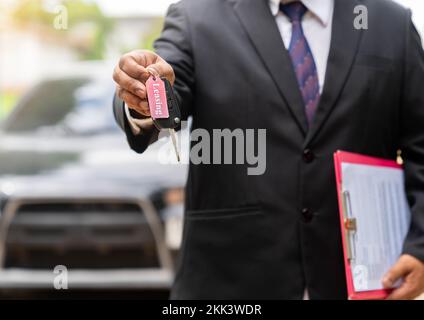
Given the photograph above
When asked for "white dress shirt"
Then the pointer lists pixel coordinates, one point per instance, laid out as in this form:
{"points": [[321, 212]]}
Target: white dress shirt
{"points": [[317, 26]]}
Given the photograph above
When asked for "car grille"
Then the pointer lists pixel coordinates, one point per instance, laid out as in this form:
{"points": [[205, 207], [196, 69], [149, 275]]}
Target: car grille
{"points": [[81, 234]]}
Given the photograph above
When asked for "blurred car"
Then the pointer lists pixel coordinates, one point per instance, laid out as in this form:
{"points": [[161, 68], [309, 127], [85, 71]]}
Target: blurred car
{"points": [[72, 193]]}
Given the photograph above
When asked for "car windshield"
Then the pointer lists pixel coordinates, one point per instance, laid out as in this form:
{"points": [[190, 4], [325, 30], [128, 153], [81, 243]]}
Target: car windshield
{"points": [[77, 106]]}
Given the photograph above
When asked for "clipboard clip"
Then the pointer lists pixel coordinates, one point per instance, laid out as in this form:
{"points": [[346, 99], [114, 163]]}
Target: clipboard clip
{"points": [[350, 225]]}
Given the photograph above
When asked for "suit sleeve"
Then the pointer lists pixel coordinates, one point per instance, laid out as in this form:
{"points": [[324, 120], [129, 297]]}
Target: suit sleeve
{"points": [[140, 142], [412, 138], [174, 47]]}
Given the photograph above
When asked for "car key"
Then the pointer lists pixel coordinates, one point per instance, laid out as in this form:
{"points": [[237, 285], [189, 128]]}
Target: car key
{"points": [[163, 106]]}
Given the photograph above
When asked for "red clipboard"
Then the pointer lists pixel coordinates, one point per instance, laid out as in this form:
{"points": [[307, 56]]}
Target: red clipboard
{"points": [[347, 157]]}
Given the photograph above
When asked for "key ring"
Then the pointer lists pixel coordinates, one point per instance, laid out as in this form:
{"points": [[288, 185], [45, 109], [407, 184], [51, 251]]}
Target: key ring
{"points": [[153, 72]]}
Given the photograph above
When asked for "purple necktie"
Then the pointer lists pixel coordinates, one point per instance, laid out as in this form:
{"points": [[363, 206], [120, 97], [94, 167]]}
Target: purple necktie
{"points": [[302, 58]]}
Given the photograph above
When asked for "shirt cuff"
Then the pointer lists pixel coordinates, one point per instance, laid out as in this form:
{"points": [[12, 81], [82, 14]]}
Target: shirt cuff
{"points": [[138, 126]]}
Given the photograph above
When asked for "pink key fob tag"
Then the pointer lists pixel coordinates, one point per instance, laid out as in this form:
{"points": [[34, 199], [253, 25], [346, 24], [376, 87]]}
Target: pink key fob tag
{"points": [[156, 95]]}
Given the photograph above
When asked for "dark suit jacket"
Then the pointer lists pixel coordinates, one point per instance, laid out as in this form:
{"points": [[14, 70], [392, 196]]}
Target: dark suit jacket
{"points": [[272, 235]]}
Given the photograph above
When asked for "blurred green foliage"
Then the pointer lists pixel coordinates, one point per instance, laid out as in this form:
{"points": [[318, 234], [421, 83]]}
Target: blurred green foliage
{"points": [[7, 102], [30, 12], [149, 39]]}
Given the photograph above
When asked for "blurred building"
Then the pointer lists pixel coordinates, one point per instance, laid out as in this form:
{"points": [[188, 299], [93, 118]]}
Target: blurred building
{"points": [[29, 53]]}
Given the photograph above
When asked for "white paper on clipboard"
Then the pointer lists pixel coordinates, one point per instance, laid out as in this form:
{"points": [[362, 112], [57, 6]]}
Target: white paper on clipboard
{"points": [[377, 201]]}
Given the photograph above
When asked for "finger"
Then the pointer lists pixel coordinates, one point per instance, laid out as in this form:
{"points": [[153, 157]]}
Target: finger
{"points": [[134, 67], [134, 102], [155, 65], [140, 64], [398, 271], [129, 84], [143, 108], [129, 98], [404, 292], [162, 69]]}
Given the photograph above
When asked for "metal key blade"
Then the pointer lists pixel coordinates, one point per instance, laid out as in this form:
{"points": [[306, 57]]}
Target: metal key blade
{"points": [[174, 142]]}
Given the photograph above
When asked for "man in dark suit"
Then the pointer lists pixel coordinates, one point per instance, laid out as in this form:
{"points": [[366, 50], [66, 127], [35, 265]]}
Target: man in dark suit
{"points": [[317, 83]]}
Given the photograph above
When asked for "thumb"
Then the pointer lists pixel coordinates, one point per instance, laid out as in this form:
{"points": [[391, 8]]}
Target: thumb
{"points": [[157, 66], [161, 69], [148, 63], [398, 271]]}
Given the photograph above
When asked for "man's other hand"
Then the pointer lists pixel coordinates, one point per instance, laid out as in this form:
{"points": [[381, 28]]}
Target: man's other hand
{"points": [[131, 74], [411, 271]]}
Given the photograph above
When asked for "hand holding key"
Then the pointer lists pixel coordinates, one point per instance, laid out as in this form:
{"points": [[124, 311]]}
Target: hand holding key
{"points": [[131, 74], [144, 81]]}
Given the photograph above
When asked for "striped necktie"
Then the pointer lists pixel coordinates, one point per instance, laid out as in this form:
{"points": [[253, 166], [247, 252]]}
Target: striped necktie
{"points": [[302, 59]]}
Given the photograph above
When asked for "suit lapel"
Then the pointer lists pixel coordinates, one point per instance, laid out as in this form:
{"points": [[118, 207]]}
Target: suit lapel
{"points": [[258, 22], [344, 45]]}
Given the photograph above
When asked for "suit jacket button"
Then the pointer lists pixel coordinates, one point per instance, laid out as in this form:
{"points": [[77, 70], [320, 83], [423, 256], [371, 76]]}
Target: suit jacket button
{"points": [[308, 156], [307, 215]]}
